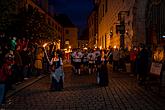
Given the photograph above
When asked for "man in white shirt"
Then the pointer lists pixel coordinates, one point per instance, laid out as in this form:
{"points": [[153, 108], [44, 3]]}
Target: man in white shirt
{"points": [[77, 59], [91, 61]]}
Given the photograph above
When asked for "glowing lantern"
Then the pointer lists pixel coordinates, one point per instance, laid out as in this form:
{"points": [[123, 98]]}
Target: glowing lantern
{"points": [[159, 54]]}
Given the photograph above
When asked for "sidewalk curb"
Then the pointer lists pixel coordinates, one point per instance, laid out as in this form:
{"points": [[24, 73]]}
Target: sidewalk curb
{"points": [[9, 94]]}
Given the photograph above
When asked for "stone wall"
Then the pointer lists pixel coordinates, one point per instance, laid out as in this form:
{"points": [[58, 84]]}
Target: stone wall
{"points": [[140, 26], [108, 21]]}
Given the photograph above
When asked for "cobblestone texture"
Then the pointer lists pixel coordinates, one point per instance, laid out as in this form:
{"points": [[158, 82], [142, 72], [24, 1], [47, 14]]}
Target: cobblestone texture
{"points": [[82, 93]]}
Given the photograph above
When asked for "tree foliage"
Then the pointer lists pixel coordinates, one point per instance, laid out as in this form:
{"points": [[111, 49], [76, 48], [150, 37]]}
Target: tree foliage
{"points": [[27, 23]]}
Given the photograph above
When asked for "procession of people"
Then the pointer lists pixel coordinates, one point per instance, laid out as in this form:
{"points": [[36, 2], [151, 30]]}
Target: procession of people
{"points": [[24, 58], [136, 61]]}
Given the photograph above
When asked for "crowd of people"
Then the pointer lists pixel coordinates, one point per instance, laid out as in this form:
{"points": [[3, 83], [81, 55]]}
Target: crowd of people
{"points": [[139, 59], [20, 59], [92, 61]]}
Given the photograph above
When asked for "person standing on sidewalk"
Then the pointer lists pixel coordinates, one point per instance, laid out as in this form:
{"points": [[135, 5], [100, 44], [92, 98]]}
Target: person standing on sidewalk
{"points": [[38, 61], [2, 85], [143, 65], [5, 73], [9, 62], [25, 62], [18, 65], [133, 54]]}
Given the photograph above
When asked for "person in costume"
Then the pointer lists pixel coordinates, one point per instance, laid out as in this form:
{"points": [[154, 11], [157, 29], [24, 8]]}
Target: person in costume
{"points": [[57, 73]]}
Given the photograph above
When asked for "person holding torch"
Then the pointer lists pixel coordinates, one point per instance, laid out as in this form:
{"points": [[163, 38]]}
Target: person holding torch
{"points": [[57, 73]]}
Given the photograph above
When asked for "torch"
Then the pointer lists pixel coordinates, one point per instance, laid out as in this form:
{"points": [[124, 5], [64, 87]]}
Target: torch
{"points": [[45, 51]]}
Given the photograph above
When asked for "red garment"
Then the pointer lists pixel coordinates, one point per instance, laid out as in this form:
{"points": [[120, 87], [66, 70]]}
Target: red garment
{"points": [[5, 71], [2, 77], [133, 55], [19, 43], [25, 44]]}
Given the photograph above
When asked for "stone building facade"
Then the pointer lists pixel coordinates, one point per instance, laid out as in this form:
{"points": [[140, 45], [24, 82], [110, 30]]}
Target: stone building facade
{"points": [[70, 34], [132, 22], [93, 28], [71, 37], [110, 14]]}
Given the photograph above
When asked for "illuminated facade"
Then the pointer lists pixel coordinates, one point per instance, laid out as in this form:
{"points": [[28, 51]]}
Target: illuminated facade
{"points": [[71, 37], [130, 22], [70, 34], [108, 21], [93, 28]]}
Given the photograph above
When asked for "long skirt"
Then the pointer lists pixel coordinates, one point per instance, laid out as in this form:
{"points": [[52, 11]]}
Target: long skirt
{"points": [[103, 76], [55, 85]]}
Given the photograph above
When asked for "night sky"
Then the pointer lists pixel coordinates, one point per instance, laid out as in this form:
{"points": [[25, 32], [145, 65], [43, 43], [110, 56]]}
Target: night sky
{"points": [[77, 10]]}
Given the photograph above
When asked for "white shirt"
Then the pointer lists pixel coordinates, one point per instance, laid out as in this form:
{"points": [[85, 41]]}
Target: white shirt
{"points": [[91, 57], [56, 59], [77, 56]]}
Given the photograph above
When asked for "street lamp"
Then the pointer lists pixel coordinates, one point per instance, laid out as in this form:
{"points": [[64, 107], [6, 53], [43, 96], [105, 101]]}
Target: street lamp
{"points": [[121, 18]]}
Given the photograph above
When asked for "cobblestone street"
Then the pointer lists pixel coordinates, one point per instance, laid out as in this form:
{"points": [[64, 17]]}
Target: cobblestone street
{"points": [[82, 93]]}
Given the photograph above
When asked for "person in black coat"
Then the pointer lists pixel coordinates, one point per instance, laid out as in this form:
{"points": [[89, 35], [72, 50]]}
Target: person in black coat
{"points": [[143, 65], [103, 72]]}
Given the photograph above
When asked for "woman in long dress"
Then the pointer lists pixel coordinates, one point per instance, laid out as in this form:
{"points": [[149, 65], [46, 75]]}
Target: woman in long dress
{"points": [[103, 71], [57, 74]]}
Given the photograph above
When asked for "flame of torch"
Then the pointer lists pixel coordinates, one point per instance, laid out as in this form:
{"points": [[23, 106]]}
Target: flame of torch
{"points": [[45, 51], [44, 45]]}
